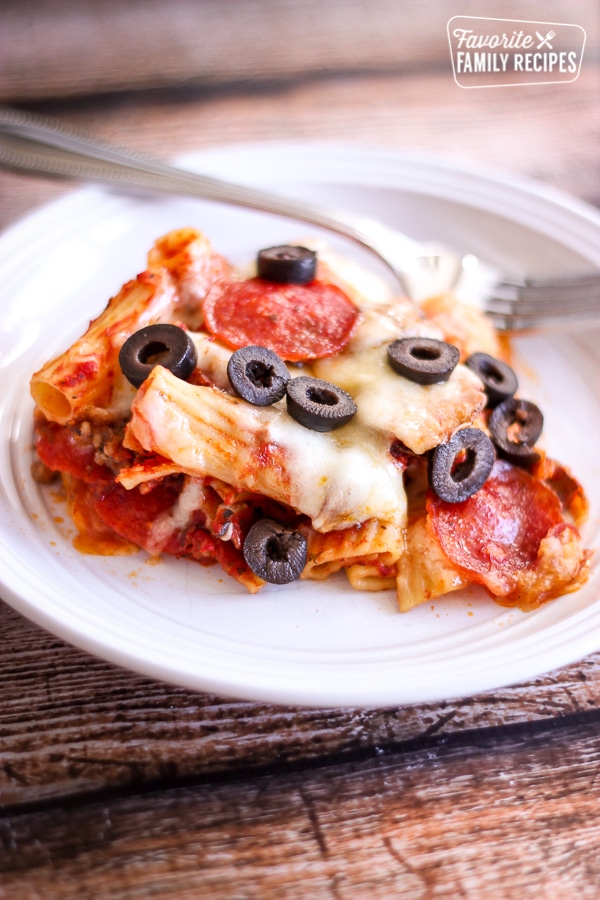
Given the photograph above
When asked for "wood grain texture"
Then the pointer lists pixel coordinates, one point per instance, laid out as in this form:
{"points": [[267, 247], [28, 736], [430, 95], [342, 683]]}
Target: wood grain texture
{"points": [[115, 785], [79, 47], [71, 724], [465, 818], [414, 113]]}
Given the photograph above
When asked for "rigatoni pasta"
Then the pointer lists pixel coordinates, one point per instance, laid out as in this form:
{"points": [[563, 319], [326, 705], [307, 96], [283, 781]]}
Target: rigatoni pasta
{"points": [[277, 485]]}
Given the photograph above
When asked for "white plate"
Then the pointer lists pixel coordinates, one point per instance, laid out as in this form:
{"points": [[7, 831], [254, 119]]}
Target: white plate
{"points": [[308, 643]]}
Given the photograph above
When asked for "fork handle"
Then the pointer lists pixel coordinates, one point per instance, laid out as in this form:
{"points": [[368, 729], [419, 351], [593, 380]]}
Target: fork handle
{"points": [[42, 146]]}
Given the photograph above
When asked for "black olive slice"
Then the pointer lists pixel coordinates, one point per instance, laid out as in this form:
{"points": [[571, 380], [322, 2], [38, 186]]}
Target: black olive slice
{"points": [[317, 404], [287, 264], [257, 375], [499, 380], [274, 553], [515, 426], [423, 360], [458, 468], [157, 345]]}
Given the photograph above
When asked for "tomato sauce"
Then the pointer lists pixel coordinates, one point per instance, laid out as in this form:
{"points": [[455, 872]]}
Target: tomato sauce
{"points": [[66, 450]]}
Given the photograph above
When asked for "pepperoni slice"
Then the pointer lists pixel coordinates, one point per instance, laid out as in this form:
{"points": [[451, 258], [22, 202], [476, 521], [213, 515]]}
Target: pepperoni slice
{"points": [[297, 321], [131, 514], [498, 530]]}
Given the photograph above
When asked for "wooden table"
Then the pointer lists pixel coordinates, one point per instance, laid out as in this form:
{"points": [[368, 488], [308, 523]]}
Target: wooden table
{"points": [[114, 785]]}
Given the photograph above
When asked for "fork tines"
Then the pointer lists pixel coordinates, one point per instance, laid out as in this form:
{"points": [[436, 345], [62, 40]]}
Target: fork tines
{"points": [[535, 303]]}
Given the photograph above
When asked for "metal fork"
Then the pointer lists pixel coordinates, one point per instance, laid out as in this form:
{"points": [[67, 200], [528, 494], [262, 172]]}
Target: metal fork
{"points": [[42, 146], [533, 304]]}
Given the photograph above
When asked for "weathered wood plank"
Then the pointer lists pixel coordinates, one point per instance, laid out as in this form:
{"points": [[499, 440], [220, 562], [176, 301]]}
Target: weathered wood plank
{"points": [[114, 785], [70, 49], [73, 724], [511, 814], [414, 112], [70, 723], [86, 725]]}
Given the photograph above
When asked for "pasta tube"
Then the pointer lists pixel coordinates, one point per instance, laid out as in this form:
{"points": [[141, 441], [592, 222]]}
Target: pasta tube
{"points": [[339, 479]]}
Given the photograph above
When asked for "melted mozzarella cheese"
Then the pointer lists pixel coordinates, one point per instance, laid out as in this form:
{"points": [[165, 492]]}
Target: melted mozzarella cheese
{"points": [[213, 357], [421, 416], [338, 479], [178, 517]]}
